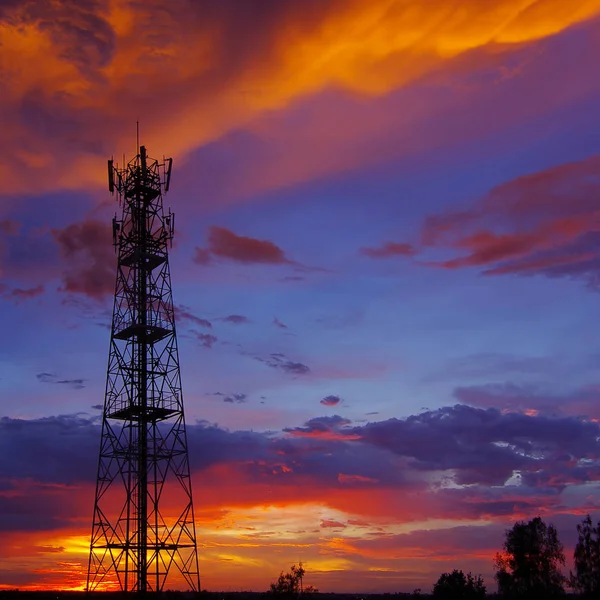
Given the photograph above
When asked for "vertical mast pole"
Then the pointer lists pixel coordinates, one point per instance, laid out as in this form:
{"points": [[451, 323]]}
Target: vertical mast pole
{"points": [[143, 379]]}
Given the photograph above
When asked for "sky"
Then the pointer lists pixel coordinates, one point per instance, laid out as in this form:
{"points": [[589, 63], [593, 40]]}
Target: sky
{"points": [[386, 272]]}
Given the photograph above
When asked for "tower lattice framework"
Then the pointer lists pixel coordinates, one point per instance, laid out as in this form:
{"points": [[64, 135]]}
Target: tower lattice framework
{"points": [[143, 530]]}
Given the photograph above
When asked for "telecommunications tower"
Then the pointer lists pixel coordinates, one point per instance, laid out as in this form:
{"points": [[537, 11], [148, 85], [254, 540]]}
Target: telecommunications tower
{"points": [[143, 530]]}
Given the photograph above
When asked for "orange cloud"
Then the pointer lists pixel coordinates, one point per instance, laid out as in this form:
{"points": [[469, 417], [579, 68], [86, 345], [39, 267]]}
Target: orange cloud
{"points": [[193, 75]]}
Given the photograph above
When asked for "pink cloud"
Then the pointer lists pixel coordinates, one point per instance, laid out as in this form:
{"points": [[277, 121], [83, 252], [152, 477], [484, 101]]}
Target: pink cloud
{"points": [[330, 401], [206, 339], [389, 249], [183, 313], [542, 223], [223, 243], [87, 250], [19, 294]]}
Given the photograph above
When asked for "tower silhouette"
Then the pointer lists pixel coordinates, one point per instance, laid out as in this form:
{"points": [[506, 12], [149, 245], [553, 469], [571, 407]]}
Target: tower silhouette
{"points": [[143, 527]]}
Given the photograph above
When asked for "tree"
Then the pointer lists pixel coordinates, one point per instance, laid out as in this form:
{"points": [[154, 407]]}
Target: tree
{"points": [[529, 566], [586, 578], [457, 585], [289, 585]]}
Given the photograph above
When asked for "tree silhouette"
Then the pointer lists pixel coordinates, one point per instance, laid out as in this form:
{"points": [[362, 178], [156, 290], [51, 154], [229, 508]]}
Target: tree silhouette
{"points": [[289, 585], [586, 578], [457, 585], [529, 566]]}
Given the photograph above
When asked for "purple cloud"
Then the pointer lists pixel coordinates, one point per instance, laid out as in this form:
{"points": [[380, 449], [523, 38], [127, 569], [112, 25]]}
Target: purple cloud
{"points": [[236, 319], [183, 313], [330, 401], [206, 339]]}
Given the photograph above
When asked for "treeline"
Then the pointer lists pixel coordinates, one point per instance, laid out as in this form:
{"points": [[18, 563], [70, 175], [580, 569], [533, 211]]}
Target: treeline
{"points": [[529, 566]]}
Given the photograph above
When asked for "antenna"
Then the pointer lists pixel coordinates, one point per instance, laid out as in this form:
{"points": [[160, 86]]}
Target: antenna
{"points": [[168, 179], [111, 176], [137, 136]]}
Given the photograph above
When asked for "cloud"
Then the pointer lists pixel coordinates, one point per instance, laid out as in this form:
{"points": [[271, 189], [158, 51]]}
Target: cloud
{"points": [[34, 507], [236, 398], [544, 223], [279, 324], [183, 313], [50, 549], [331, 524], [330, 401], [236, 319], [532, 399], [56, 116], [223, 243], [281, 362], [19, 295], [86, 248], [76, 384], [202, 256], [497, 445], [9, 227], [206, 339], [472, 445], [328, 428], [389, 249], [46, 455], [359, 468]]}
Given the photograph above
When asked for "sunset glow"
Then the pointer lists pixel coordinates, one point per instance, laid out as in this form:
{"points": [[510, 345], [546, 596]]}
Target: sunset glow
{"points": [[385, 274]]}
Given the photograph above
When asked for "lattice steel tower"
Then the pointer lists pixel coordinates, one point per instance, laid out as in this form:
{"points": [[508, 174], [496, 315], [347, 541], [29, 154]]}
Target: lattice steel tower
{"points": [[143, 528]]}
